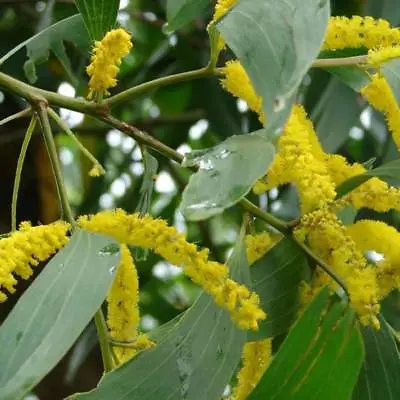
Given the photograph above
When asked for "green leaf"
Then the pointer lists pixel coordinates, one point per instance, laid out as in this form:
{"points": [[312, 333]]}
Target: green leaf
{"points": [[389, 172], [181, 12], [276, 44], [337, 111], [37, 47], [227, 173], [276, 278], [99, 16], [391, 71], [54, 310], [354, 77], [320, 358], [194, 357], [379, 377]]}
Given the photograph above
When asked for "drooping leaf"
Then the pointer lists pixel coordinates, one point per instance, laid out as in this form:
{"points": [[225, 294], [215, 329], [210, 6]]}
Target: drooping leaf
{"points": [[71, 29], [194, 358], [276, 278], [54, 310], [389, 172], [391, 71], [320, 358], [181, 12], [276, 44], [379, 377], [337, 111], [99, 15], [227, 173]]}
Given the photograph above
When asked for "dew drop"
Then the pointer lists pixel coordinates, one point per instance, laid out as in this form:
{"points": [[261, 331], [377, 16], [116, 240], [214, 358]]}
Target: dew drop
{"points": [[109, 250], [279, 104]]}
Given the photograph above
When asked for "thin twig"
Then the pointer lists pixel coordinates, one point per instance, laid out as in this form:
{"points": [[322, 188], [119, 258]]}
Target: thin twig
{"points": [[339, 62], [20, 114]]}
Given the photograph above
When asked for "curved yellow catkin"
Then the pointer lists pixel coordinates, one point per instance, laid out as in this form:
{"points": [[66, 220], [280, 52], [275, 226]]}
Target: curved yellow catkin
{"points": [[237, 82], [296, 162], [256, 357], [123, 309], [356, 32], [379, 94], [106, 59], [329, 239], [384, 239], [146, 232], [25, 248]]}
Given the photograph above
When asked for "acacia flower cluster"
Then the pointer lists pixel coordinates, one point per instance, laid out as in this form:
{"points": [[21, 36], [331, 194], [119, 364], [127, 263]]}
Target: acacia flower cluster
{"points": [[256, 357], [155, 234], [25, 249], [123, 309], [106, 59]]}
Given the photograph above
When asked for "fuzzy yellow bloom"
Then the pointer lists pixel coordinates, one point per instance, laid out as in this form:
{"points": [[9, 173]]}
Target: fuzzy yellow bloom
{"points": [[374, 194], [237, 82], [296, 162], [379, 94], [26, 248], [123, 306], [384, 239], [146, 232], [329, 239], [379, 56], [106, 59], [256, 357], [96, 171], [222, 7], [359, 32], [258, 245]]}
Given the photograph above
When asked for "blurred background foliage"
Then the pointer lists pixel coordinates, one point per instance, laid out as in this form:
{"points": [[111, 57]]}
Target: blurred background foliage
{"points": [[186, 116]]}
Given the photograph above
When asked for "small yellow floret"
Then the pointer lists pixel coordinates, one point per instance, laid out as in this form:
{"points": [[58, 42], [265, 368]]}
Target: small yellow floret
{"points": [[222, 7], [297, 162], [106, 59], [96, 171], [379, 56], [256, 357], [357, 32], [379, 94], [146, 232], [26, 248], [237, 82]]}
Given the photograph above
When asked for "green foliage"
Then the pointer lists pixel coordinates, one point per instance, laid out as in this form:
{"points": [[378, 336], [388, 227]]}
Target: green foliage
{"points": [[379, 375], [54, 310], [185, 359], [181, 12], [219, 184], [320, 358], [99, 16], [276, 45]]}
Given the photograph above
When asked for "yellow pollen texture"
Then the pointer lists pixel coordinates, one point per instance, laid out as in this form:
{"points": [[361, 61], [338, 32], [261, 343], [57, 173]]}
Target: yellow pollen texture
{"points": [[106, 59], [146, 232], [25, 249]]}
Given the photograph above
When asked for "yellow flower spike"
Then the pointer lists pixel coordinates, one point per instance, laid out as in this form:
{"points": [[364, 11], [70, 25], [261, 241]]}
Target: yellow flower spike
{"points": [[382, 238], [222, 7], [106, 59], [256, 357], [299, 161], [123, 309], [25, 249], [329, 239], [356, 32], [378, 56], [379, 94], [166, 241], [237, 82]]}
